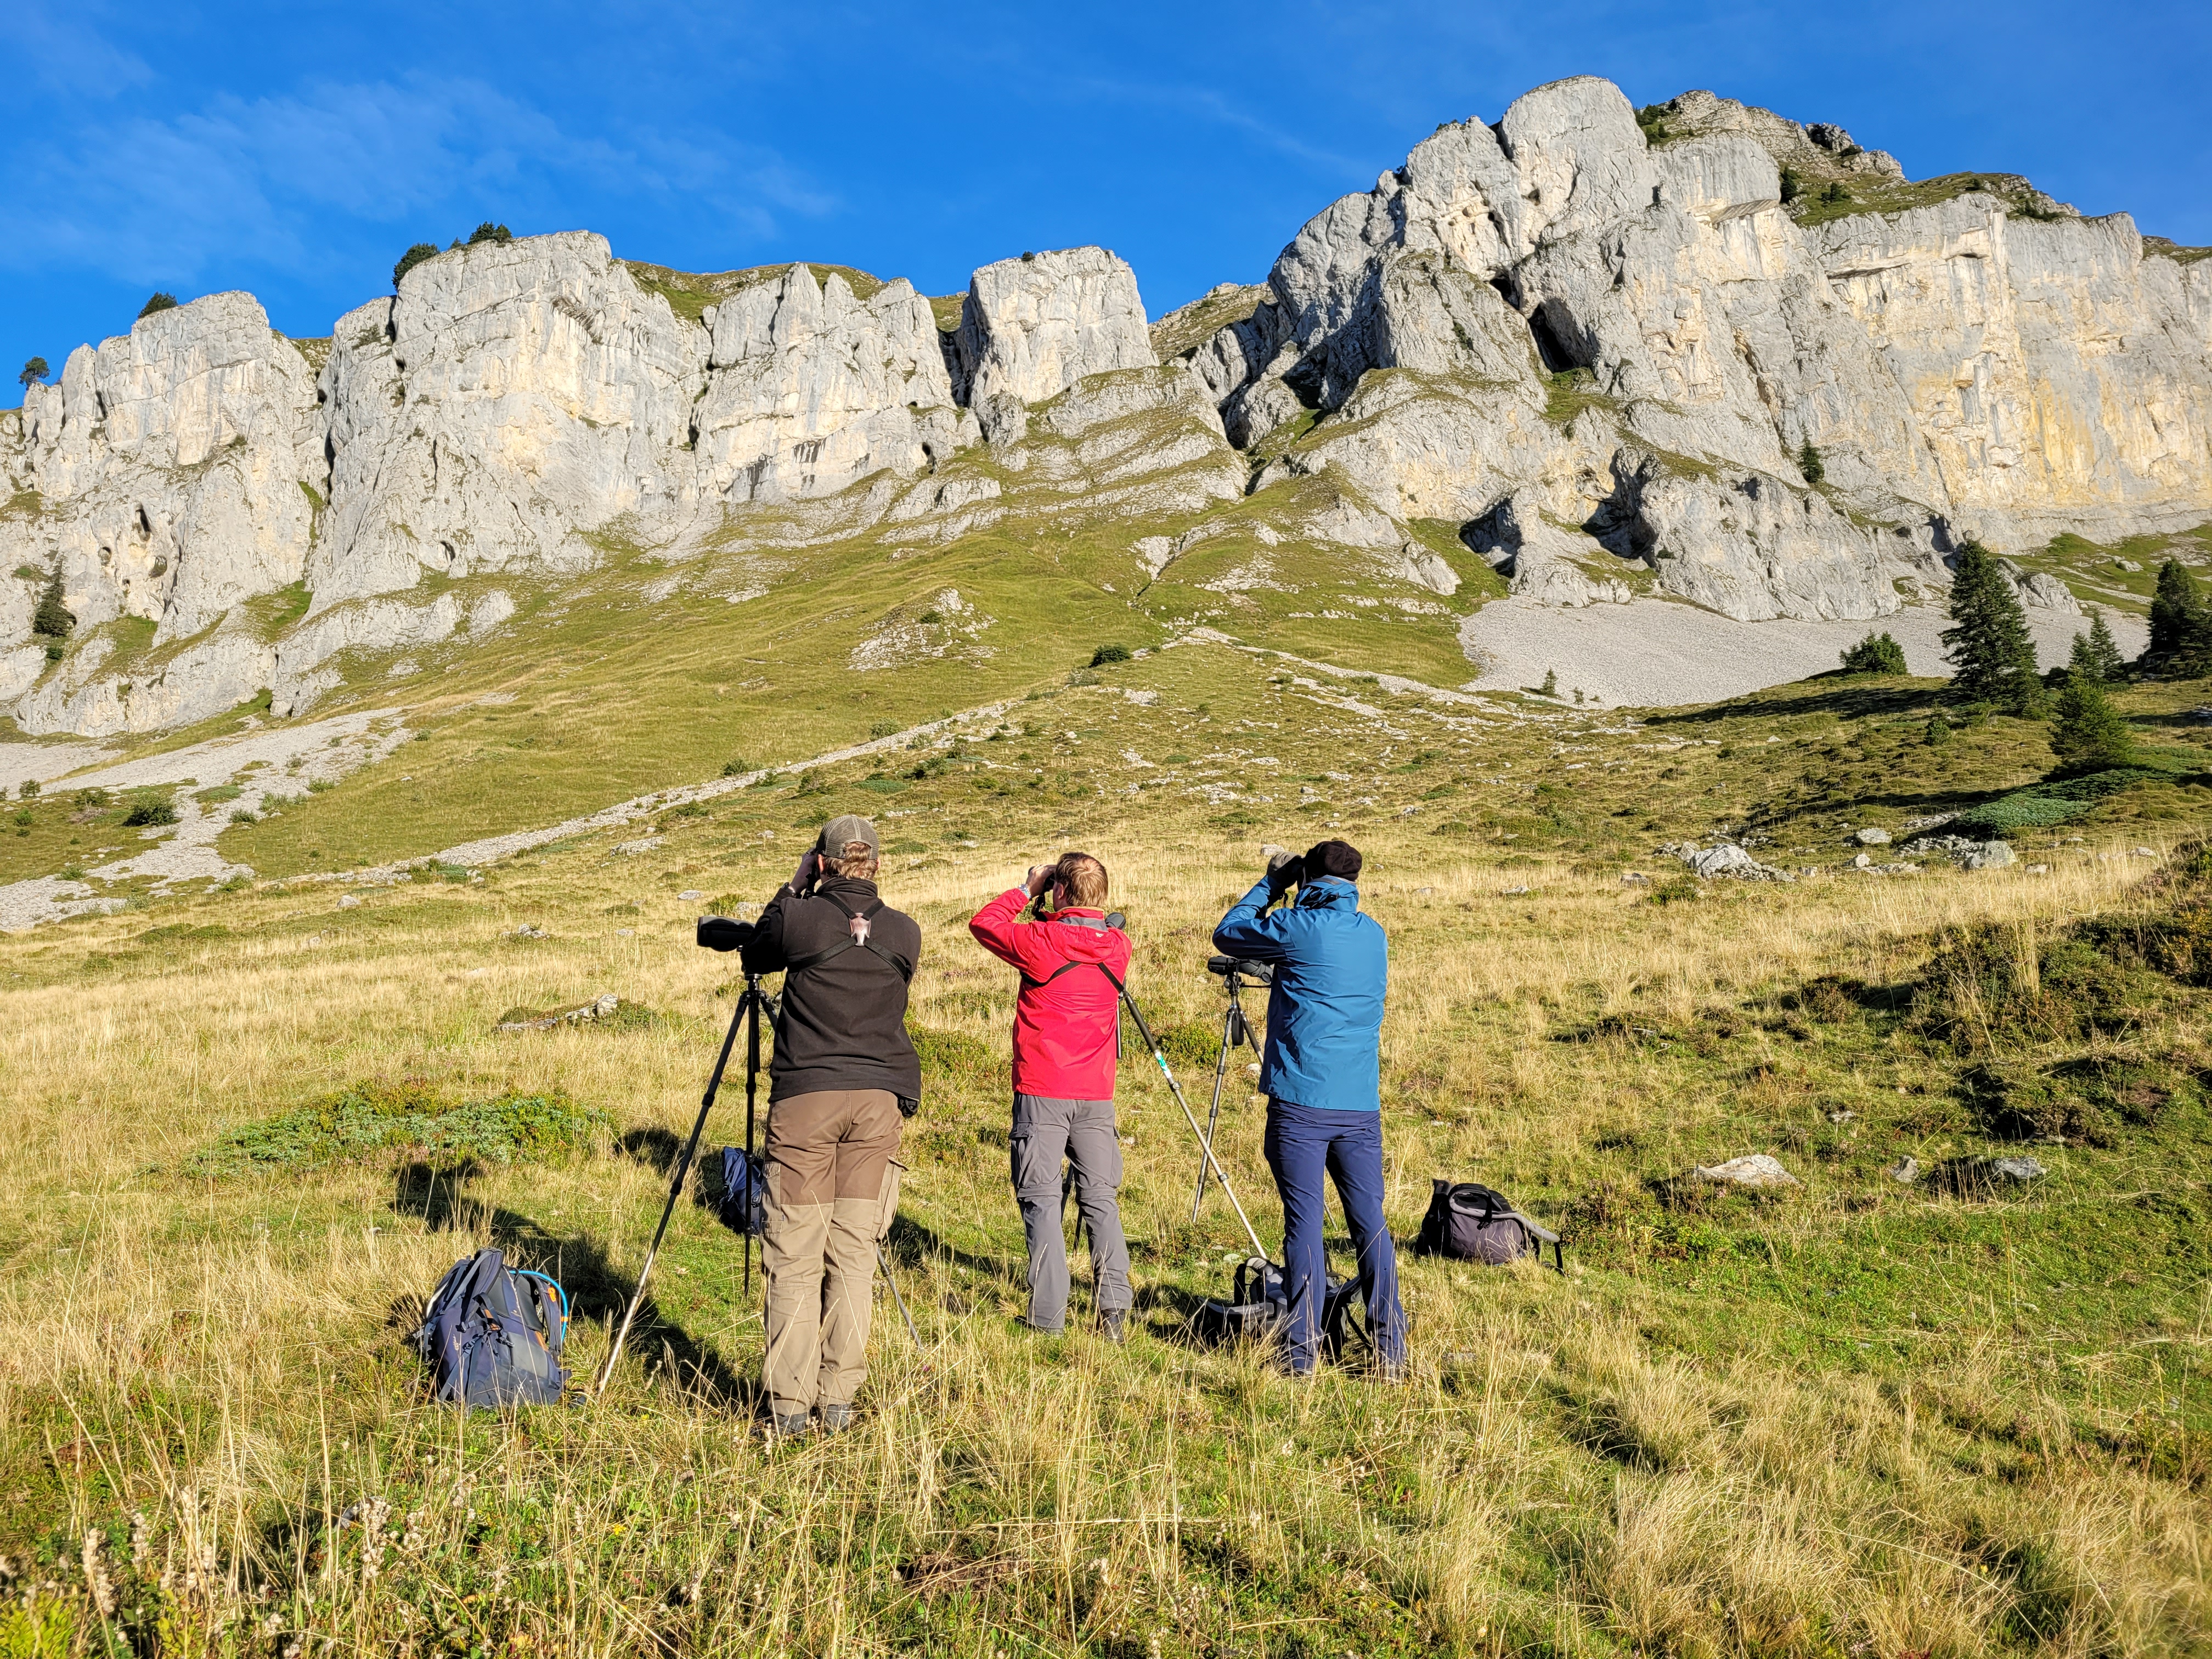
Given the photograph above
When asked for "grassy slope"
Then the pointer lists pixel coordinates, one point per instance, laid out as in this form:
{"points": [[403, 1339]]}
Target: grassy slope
{"points": [[1866, 1417]]}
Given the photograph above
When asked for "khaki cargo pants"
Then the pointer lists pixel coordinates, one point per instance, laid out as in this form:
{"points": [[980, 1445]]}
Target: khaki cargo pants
{"points": [[832, 1188]]}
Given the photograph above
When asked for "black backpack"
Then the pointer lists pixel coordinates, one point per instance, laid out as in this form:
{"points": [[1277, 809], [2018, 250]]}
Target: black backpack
{"points": [[1259, 1305], [1470, 1222]]}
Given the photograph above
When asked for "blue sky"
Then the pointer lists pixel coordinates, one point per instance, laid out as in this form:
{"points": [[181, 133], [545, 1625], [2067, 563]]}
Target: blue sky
{"points": [[294, 150]]}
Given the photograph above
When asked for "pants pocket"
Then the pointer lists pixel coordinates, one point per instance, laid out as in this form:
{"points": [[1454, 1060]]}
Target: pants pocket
{"points": [[888, 1200]]}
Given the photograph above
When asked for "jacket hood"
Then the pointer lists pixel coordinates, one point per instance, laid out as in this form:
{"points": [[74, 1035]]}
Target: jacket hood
{"points": [[1328, 893], [1081, 943]]}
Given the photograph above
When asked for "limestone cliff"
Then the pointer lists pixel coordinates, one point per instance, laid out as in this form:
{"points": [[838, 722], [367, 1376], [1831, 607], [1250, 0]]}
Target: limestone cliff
{"points": [[1594, 347], [1599, 341]]}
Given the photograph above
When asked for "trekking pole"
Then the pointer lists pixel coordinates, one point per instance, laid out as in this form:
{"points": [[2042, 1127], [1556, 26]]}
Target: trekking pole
{"points": [[883, 1262], [1175, 1089], [675, 1190]]}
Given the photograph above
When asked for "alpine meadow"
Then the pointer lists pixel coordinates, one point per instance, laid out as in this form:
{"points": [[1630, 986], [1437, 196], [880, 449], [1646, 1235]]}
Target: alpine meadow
{"points": [[1743, 603]]}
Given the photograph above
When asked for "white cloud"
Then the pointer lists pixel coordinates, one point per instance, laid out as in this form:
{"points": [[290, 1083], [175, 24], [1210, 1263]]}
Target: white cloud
{"points": [[64, 54], [279, 182]]}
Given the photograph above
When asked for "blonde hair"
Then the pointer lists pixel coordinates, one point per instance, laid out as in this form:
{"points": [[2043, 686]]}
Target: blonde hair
{"points": [[858, 862], [1082, 878]]}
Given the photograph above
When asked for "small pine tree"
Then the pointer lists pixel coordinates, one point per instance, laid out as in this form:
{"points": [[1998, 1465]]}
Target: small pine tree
{"points": [[2089, 735], [1106, 654], [1938, 731], [489, 232], [2096, 655], [159, 300], [413, 258], [1992, 658], [1551, 687], [1793, 185], [1877, 653], [52, 618], [2180, 628], [1808, 463], [1835, 195], [33, 371]]}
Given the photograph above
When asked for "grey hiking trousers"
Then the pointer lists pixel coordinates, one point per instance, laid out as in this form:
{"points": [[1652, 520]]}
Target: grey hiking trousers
{"points": [[1082, 1131]]}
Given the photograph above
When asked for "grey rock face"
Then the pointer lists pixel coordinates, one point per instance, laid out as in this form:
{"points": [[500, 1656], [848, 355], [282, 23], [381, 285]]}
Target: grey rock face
{"points": [[1034, 326], [812, 388], [174, 449], [529, 393], [1551, 321]]}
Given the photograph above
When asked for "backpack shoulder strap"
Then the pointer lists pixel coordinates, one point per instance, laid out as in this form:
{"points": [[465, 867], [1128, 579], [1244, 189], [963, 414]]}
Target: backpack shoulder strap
{"points": [[848, 943]]}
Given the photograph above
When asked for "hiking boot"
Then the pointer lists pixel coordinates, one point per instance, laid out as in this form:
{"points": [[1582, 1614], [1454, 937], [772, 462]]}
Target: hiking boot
{"points": [[1115, 1326], [836, 1419], [794, 1427]]}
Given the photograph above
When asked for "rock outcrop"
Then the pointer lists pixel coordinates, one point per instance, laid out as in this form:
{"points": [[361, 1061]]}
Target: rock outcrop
{"points": [[1605, 355], [1608, 345]]}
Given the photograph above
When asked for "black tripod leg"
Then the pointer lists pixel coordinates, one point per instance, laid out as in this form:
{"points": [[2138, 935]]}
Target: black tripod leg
{"points": [[1213, 1116], [753, 1087], [675, 1190]]}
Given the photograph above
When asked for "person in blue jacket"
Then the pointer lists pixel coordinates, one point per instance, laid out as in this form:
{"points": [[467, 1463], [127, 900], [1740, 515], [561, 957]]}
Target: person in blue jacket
{"points": [[1322, 1076]]}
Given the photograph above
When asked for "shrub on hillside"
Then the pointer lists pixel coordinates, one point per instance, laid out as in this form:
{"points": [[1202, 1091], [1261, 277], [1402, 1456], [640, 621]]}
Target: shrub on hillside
{"points": [[148, 810], [159, 300], [369, 1119], [1809, 463], [1877, 653], [489, 232], [414, 257], [1106, 654]]}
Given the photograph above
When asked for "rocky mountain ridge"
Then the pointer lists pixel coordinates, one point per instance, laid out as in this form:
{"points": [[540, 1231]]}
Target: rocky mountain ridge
{"points": [[1602, 343]]}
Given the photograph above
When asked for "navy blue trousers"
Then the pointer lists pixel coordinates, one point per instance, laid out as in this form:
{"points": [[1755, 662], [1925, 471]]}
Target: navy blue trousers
{"points": [[1303, 1142]]}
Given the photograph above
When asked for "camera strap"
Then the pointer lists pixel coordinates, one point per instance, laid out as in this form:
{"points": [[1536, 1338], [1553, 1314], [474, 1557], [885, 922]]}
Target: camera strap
{"points": [[1102, 925]]}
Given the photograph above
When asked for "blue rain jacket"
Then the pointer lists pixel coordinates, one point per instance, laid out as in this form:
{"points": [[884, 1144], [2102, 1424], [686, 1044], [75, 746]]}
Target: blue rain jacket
{"points": [[1325, 1016]]}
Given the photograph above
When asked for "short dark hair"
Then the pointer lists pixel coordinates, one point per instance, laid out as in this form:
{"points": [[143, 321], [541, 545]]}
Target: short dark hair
{"points": [[1082, 877], [1339, 858]]}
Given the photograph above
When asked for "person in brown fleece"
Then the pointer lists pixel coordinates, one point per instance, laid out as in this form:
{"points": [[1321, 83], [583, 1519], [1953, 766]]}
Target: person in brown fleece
{"points": [[843, 1078]]}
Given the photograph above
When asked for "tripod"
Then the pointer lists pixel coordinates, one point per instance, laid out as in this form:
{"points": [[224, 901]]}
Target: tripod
{"points": [[1204, 1144], [748, 1013], [1235, 1028]]}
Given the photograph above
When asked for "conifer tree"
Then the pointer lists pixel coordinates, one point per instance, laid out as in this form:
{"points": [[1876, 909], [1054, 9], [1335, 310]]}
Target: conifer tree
{"points": [[52, 619], [1992, 658], [2181, 629], [2089, 735], [2096, 655]]}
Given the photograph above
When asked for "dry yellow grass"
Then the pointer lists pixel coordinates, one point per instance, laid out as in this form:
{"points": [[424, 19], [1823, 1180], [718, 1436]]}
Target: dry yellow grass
{"points": [[1867, 1421]]}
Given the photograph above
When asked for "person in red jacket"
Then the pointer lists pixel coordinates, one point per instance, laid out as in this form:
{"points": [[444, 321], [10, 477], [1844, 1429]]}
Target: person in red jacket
{"points": [[1072, 966]]}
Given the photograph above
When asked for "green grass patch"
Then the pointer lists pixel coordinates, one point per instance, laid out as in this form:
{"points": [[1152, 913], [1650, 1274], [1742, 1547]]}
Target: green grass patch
{"points": [[379, 1119]]}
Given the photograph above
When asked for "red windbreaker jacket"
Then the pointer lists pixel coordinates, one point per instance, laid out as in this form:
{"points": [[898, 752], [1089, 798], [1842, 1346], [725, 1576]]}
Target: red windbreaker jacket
{"points": [[1064, 1024]]}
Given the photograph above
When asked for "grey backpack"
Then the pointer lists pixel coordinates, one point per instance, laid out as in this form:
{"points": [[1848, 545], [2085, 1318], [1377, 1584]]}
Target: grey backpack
{"points": [[1470, 1222]]}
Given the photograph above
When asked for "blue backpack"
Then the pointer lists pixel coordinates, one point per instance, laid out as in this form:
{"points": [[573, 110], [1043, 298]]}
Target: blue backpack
{"points": [[492, 1335], [742, 1205]]}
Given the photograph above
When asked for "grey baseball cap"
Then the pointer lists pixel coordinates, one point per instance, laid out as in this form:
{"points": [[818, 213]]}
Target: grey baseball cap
{"points": [[840, 832]]}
